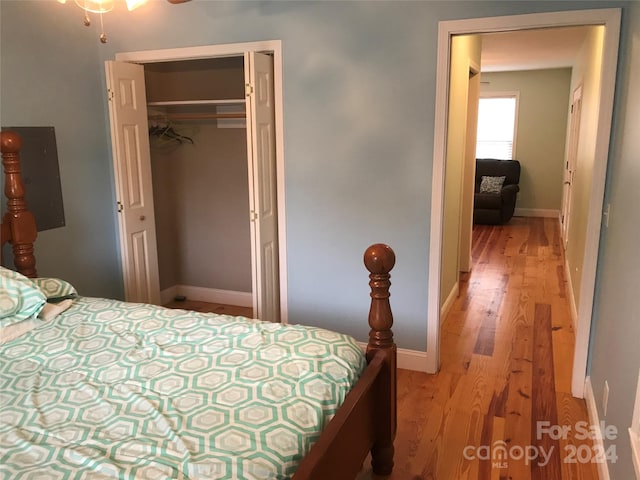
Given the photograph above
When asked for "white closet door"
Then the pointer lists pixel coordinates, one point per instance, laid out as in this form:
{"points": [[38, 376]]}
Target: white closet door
{"points": [[262, 185], [132, 165]]}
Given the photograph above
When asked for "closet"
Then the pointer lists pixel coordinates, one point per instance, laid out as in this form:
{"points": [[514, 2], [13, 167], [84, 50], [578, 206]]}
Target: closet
{"points": [[203, 144], [200, 178]]}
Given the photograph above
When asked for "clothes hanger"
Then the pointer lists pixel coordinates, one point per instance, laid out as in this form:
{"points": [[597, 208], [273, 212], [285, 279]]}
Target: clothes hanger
{"points": [[167, 132]]}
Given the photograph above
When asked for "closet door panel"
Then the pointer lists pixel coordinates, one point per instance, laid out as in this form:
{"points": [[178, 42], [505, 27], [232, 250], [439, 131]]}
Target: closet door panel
{"points": [[262, 185], [134, 191]]}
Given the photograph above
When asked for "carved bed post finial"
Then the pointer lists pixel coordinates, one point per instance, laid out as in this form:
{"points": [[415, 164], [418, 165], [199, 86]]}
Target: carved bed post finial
{"points": [[18, 224], [379, 260], [11, 142]]}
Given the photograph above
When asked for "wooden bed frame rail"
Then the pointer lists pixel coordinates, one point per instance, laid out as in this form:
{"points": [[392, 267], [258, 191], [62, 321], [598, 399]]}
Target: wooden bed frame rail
{"points": [[366, 421], [18, 224]]}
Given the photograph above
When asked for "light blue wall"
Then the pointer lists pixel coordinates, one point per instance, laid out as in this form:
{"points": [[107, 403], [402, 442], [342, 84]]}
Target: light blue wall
{"points": [[49, 76], [615, 348], [359, 93]]}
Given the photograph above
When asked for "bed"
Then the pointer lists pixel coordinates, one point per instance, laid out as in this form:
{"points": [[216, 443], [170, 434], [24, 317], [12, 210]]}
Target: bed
{"points": [[97, 388]]}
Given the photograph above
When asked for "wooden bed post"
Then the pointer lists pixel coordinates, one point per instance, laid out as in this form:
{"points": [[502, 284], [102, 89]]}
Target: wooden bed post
{"points": [[18, 224], [366, 421], [379, 260]]}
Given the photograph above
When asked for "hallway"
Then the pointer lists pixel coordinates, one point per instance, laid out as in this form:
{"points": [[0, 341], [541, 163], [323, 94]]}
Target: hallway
{"points": [[506, 361]]}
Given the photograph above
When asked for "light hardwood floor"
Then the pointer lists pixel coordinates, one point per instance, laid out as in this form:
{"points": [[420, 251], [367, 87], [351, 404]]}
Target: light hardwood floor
{"points": [[506, 350], [219, 308]]}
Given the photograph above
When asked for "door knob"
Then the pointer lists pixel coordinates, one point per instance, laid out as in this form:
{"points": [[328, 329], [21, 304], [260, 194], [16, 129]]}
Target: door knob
{"points": [[142, 218]]}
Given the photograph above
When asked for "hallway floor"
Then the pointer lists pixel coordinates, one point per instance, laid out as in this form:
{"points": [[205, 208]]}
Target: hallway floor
{"points": [[506, 361]]}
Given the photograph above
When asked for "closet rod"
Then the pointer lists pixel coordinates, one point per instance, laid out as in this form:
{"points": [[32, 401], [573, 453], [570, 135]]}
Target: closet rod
{"points": [[197, 116]]}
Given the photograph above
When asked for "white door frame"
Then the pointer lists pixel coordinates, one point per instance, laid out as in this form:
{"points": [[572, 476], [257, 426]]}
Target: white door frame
{"points": [[238, 49], [610, 19]]}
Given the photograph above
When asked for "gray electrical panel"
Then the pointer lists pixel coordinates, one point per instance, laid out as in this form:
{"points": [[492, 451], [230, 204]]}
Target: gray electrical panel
{"points": [[41, 175]]}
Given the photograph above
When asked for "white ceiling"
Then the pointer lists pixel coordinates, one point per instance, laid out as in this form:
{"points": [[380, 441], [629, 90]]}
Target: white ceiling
{"points": [[531, 49]]}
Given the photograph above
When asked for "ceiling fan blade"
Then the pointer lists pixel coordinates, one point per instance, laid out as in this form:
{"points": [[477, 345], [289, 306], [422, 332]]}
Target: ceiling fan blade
{"points": [[178, 1]]}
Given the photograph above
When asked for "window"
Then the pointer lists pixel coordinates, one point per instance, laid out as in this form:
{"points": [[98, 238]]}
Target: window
{"points": [[497, 126]]}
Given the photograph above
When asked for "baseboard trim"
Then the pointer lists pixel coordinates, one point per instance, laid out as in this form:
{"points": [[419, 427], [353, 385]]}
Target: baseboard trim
{"points": [[448, 303], [407, 359], [212, 295], [571, 298], [168, 294], [594, 420], [412, 360], [536, 212], [635, 451]]}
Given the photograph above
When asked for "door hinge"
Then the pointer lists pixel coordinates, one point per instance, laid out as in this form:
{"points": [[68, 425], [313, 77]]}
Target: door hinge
{"points": [[248, 89], [571, 108], [119, 206], [253, 216], [110, 94]]}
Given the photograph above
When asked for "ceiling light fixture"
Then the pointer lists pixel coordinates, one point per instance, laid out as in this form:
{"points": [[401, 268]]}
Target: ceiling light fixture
{"points": [[133, 4], [103, 6], [100, 7]]}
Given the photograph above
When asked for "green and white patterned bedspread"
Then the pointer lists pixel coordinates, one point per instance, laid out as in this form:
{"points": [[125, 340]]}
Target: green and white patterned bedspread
{"points": [[130, 391]]}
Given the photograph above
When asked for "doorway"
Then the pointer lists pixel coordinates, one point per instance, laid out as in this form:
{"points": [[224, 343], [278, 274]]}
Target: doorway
{"points": [[610, 20], [261, 69]]}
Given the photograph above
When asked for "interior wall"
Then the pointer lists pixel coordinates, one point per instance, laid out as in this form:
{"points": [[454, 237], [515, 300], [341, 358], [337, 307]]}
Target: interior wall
{"points": [[586, 71], [465, 51], [52, 78], [615, 356], [542, 123], [201, 197], [165, 168], [195, 79], [358, 136]]}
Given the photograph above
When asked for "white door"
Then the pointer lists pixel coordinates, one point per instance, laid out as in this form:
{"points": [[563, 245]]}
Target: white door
{"points": [[263, 203], [132, 165], [570, 162]]}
